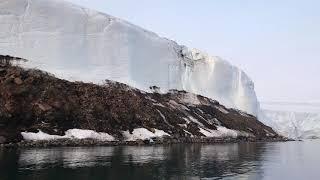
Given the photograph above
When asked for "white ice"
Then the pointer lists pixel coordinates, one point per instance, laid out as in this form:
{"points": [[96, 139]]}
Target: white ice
{"points": [[294, 120], [79, 44]]}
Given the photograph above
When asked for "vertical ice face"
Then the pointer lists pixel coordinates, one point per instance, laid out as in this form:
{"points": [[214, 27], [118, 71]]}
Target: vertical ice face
{"points": [[296, 125], [214, 77], [75, 43], [294, 120]]}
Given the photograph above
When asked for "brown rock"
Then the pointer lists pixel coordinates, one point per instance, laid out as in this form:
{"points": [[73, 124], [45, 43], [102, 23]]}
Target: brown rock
{"points": [[2, 140], [18, 81], [57, 104], [44, 106], [152, 130], [9, 106], [29, 80], [140, 142], [47, 103]]}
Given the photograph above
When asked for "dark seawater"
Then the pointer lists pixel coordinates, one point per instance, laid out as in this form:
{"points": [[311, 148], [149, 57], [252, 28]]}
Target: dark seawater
{"points": [[288, 160]]}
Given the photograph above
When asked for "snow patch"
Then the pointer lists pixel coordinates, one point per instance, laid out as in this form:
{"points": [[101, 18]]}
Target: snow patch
{"points": [[188, 133], [176, 105], [190, 98], [69, 134], [223, 132], [222, 109], [88, 134], [149, 98], [195, 121], [159, 104], [164, 118], [183, 125], [143, 134], [39, 136]]}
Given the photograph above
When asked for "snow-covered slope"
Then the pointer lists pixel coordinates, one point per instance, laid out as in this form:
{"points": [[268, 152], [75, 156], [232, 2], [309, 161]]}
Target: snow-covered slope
{"points": [[81, 44], [294, 120]]}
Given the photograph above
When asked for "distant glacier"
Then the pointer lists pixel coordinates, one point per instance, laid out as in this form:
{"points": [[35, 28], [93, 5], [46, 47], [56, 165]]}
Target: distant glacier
{"points": [[292, 119]]}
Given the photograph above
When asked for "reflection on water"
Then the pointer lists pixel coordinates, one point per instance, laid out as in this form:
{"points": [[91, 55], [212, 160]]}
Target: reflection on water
{"points": [[35, 159], [229, 161]]}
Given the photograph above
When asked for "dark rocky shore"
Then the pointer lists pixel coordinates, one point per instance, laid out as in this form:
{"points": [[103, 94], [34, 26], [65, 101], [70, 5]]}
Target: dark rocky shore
{"points": [[32, 100], [156, 141]]}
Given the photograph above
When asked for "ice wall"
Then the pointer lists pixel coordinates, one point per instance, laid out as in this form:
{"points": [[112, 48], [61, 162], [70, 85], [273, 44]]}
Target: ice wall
{"points": [[294, 120], [79, 44]]}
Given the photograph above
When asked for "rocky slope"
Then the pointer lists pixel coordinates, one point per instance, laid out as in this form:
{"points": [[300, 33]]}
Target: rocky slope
{"points": [[33, 100]]}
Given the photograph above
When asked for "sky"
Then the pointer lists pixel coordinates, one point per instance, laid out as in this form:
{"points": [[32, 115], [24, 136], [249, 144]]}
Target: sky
{"points": [[276, 42]]}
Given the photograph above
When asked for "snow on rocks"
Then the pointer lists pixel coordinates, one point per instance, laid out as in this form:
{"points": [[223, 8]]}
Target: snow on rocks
{"points": [[143, 134], [190, 98], [222, 109], [39, 136], [69, 134], [110, 109], [223, 132], [137, 134], [88, 134]]}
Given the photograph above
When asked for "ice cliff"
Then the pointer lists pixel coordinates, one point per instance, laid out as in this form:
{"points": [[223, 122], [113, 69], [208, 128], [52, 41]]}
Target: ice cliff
{"points": [[294, 120], [80, 44]]}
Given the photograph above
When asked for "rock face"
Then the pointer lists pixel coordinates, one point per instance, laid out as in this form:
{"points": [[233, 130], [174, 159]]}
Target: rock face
{"points": [[2, 140], [42, 102], [67, 40]]}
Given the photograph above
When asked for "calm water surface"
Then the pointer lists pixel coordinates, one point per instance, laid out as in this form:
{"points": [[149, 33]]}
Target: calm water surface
{"points": [[289, 160]]}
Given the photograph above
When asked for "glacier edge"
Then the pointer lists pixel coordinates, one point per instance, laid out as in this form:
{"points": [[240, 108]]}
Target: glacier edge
{"points": [[79, 44]]}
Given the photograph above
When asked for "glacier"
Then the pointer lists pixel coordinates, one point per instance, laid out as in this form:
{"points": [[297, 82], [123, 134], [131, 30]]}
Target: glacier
{"points": [[80, 44], [293, 120]]}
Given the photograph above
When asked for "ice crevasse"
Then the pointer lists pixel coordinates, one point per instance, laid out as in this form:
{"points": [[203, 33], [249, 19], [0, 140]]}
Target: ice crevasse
{"points": [[80, 44]]}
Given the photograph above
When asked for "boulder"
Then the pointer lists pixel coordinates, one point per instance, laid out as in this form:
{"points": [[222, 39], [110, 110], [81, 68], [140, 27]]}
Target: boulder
{"points": [[18, 81], [2, 140]]}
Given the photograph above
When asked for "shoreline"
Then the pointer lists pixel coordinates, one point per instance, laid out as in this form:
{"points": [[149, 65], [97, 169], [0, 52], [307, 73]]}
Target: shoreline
{"points": [[147, 142], [36, 107]]}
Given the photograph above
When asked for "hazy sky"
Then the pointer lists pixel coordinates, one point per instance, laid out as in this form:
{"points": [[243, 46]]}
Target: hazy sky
{"points": [[277, 42]]}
